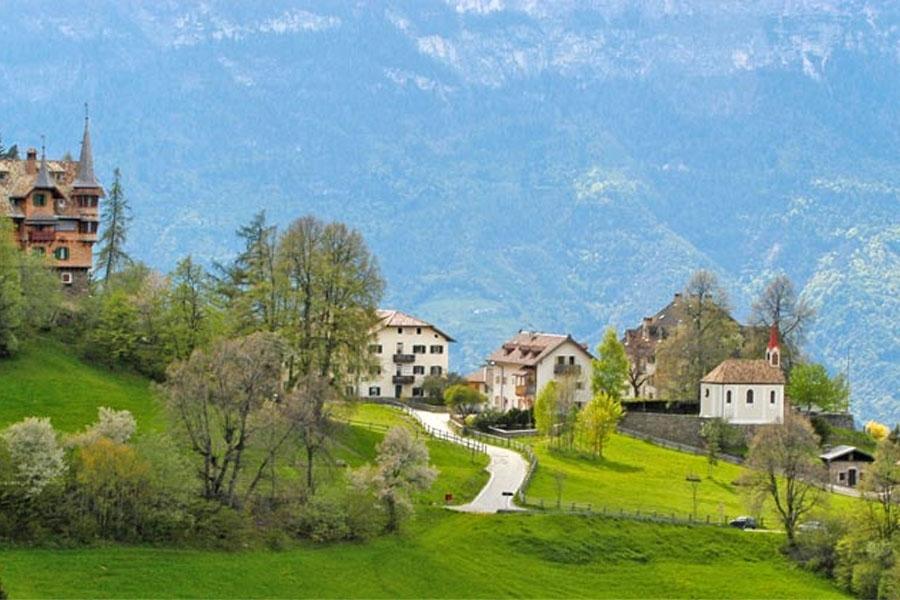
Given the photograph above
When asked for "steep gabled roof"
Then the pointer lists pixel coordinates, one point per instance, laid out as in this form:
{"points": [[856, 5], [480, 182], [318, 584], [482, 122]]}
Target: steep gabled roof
{"points": [[841, 451], [740, 370], [528, 348], [395, 318]]}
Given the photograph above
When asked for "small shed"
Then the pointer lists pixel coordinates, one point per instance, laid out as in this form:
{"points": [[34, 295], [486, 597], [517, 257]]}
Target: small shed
{"points": [[846, 465]]}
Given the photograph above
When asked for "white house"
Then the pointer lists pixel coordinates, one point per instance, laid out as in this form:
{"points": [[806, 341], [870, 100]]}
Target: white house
{"points": [[744, 391], [406, 350], [518, 370]]}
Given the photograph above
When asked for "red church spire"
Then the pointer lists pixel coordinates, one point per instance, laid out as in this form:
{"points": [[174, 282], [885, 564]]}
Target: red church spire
{"points": [[773, 337]]}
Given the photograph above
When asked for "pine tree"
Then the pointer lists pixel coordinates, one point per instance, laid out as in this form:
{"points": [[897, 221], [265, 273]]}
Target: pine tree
{"points": [[10, 291], [116, 218]]}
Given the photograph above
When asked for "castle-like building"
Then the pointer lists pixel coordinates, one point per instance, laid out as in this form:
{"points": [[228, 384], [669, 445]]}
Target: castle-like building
{"points": [[54, 207]]}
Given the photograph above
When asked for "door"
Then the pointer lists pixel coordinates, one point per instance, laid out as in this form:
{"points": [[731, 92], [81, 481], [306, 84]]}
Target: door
{"points": [[398, 391], [851, 477]]}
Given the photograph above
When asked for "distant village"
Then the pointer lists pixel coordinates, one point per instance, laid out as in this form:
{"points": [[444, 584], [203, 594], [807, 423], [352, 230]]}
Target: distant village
{"points": [[54, 208]]}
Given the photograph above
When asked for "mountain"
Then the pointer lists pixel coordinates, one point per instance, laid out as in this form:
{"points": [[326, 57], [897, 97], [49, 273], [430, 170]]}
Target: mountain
{"points": [[559, 166]]}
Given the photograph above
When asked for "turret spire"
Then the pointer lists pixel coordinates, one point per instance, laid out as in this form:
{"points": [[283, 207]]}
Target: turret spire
{"points": [[773, 350], [43, 179], [85, 177]]}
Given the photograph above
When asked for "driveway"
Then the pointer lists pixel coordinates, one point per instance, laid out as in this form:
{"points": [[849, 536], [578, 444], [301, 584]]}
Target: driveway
{"points": [[508, 469]]}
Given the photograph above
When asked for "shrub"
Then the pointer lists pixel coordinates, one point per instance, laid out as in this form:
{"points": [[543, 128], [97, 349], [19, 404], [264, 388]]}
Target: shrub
{"points": [[323, 519]]}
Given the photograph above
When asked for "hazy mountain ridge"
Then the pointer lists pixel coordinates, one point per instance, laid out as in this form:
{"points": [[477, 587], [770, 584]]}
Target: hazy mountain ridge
{"points": [[577, 160]]}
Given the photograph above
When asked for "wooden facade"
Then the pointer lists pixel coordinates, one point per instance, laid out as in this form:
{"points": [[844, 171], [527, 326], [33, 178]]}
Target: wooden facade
{"points": [[54, 207]]}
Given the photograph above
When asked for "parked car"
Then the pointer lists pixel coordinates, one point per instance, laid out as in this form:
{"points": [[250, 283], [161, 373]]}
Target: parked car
{"points": [[810, 526], [743, 523]]}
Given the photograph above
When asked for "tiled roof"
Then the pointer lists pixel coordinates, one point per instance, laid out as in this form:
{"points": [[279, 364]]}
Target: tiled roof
{"points": [[740, 370], [395, 318], [16, 182], [529, 348], [476, 377]]}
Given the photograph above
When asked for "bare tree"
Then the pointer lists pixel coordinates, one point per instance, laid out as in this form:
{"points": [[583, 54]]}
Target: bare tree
{"points": [[214, 395], [786, 469], [780, 305]]}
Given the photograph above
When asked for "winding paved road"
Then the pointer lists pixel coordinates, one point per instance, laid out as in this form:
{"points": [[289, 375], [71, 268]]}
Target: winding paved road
{"points": [[508, 469]]}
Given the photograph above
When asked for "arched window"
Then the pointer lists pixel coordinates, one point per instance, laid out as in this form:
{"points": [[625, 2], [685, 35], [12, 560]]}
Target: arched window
{"points": [[728, 397], [749, 396], [706, 393], [772, 397]]}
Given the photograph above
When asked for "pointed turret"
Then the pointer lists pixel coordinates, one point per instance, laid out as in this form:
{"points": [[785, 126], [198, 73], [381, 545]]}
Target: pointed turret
{"points": [[773, 350], [44, 181], [85, 177]]}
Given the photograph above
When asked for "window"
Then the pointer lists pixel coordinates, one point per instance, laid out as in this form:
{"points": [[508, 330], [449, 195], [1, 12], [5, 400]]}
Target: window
{"points": [[728, 397], [418, 330], [437, 349], [571, 360], [496, 379], [400, 330], [61, 253], [374, 391], [417, 392], [66, 278], [706, 393], [749, 396], [772, 397], [842, 476], [39, 200], [375, 349], [419, 349], [418, 370], [579, 385], [375, 371], [436, 370], [560, 360]]}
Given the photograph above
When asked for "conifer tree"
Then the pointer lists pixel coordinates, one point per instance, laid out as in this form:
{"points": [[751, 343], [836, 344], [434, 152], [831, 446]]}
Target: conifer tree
{"points": [[10, 291], [116, 217]]}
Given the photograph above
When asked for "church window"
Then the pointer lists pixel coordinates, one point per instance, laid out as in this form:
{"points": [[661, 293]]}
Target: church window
{"points": [[728, 397], [749, 396], [772, 397]]}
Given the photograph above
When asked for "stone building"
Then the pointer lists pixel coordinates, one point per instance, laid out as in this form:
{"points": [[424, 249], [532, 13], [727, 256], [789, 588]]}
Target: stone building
{"points": [[54, 208], [406, 350], [846, 465]]}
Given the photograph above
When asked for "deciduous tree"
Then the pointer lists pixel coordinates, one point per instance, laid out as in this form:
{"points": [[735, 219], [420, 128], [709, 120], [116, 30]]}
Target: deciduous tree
{"points": [[213, 395], [597, 421], [779, 305], [882, 480], [707, 336], [401, 469], [11, 305], [610, 368], [463, 400], [811, 386], [785, 468], [36, 455]]}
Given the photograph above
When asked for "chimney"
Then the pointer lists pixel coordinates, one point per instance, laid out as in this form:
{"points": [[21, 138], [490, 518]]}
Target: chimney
{"points": [[645, 327], [31, 161]]}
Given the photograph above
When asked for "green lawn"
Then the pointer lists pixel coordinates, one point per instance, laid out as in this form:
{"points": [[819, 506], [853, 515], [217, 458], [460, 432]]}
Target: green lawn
{"points": [[439, 553], [636, 475], [442, 554], [48, 380]]}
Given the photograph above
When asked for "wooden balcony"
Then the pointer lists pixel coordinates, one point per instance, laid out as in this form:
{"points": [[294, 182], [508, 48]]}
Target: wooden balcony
{"points": [[42, 236], [567, 369], [523, 391], [402, 359], [401, 379]]}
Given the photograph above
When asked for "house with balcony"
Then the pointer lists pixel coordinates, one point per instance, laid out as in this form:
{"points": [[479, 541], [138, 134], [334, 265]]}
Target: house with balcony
{"points": [[54, 208], [516, 372], [404, 350]]}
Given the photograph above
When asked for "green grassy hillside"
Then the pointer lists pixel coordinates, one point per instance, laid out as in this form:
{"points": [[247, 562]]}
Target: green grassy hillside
{"points": [[442, 554], [439, 553], [48, 380], [636, 475]]}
